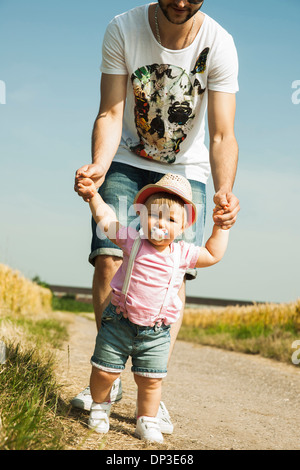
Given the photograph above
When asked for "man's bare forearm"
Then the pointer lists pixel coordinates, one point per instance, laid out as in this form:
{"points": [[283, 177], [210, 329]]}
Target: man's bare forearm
{"points": [[106, 133], [224, 159], [106, 137], [107, 129]]}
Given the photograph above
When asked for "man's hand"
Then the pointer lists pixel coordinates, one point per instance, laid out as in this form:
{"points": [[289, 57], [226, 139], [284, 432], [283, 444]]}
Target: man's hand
{"points": [[226, 209], [95, 173]]}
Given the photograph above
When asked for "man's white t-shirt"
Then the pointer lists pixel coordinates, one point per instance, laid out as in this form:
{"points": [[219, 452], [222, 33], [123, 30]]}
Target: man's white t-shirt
{"points": [[164, 118]]}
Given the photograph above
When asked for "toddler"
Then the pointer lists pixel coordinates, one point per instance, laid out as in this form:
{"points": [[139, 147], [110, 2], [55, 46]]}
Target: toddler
{"points": [[144, 300]]}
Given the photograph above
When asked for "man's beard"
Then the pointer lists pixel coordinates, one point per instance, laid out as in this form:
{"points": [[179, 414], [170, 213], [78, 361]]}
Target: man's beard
{"points": [[190, 13]]}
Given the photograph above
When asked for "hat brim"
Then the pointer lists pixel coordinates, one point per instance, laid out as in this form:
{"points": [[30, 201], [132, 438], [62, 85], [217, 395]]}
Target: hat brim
{"points": [[150, 189]]}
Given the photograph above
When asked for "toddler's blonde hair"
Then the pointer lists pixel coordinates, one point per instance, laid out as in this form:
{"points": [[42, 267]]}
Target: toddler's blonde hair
{"points": [[167, 199]]}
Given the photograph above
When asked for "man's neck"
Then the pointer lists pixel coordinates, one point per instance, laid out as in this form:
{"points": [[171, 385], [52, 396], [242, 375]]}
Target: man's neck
{"points": [[174, 36]]}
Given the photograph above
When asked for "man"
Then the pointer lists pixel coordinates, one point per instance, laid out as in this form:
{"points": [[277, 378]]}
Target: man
{"points": [[163, 66]]}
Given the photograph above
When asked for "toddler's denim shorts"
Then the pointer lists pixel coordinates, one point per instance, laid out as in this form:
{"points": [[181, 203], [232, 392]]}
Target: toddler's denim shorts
{"points": [[119, 189], [119, 338]]}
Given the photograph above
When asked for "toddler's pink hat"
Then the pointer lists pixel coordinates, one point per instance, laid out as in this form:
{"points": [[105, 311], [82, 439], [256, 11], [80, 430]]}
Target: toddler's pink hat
{"points": [[174, 184]]}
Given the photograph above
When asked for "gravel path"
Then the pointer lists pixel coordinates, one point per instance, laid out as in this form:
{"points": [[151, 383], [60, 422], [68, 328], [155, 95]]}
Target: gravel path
{"points": [[217, 399]]}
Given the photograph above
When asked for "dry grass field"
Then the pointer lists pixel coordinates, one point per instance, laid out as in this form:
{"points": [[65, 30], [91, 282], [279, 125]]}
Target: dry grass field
{"points": [[264, 315], [265, 329], [19, 295]]}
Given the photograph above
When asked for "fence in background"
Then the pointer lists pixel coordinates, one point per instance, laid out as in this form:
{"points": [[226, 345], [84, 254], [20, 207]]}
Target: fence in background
{"points": [[84, 294]]}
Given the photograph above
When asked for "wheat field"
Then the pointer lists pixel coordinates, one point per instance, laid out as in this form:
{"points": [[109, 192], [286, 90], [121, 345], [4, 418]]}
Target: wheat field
{"points": [[258, 314], [19, 295], [266, 329]]}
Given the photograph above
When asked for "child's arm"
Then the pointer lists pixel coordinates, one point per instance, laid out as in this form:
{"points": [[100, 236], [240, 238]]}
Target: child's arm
{"points": [[214, 249], [103, 215]]}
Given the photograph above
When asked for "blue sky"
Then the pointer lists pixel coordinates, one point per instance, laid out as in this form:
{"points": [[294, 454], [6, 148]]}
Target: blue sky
{"points": [[49, 61]]}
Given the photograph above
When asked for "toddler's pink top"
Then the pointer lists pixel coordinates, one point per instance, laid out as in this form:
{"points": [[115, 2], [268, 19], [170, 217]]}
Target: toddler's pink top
{"points": [[150, 278]]}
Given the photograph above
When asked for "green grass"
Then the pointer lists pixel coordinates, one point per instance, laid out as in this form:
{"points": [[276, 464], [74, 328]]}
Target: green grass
{"points": [[33, 416], [68, 303], [31, 411], [48, 330], [271, 342]]}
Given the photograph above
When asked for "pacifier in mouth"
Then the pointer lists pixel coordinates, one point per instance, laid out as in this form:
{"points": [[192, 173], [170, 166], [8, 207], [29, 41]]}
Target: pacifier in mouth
{"points": [[159, 234]]}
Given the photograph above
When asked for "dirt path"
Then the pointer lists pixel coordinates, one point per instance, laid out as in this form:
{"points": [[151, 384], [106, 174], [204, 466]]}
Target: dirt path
{"points": [[217, 399]]}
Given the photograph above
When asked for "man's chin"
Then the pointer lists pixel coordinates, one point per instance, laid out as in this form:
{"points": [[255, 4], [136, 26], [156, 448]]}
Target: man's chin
{"points": [[177, 15]]}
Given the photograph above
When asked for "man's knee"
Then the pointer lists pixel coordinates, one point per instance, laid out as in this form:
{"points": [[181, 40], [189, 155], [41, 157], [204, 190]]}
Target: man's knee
{"points": [[106, 266]]}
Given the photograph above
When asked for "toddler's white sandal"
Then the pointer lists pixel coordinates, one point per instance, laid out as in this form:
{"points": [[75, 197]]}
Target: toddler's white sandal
{"points": [[99, 417], [147, 429], [164, 420]]}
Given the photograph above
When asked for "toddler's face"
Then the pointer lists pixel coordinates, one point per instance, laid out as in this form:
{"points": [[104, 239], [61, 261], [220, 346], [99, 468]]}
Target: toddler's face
{"points": [[163, 223]]}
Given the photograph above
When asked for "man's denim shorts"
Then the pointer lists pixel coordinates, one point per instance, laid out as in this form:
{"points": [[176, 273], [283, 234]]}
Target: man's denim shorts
{"points": [[119, 338], [119, 189]]}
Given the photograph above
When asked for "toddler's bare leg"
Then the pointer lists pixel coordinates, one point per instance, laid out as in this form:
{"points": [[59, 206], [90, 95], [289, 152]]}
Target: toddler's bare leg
{"points": [[149, 395], [101, 383]]}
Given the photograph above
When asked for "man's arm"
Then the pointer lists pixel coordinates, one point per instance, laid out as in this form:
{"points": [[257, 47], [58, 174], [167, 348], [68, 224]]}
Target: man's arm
{"points": [[107, 131], [223, 155]]}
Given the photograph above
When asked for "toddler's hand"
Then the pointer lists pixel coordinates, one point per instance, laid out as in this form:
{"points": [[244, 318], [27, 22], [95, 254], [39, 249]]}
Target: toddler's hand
{"points": [[226, 210], [87, 183]]}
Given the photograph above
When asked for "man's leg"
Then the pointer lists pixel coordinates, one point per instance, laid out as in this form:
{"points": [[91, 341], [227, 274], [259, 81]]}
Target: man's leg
{"points": [[175, 327], [105, 269]]}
